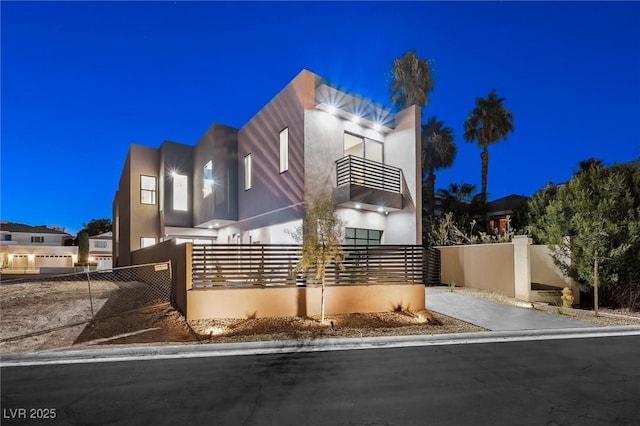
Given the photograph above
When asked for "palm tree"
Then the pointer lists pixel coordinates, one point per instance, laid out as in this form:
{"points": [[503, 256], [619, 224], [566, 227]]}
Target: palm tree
{"points": [[438, 152], [411, 81], [456, 197], [487, 123], [460, 200]]}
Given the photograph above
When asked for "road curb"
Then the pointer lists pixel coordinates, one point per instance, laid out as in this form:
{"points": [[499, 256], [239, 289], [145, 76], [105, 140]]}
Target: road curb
{"points": [[131, 353]]}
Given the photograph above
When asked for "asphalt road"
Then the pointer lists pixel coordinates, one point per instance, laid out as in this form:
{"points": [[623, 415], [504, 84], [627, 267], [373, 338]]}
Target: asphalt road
{"points": [[590, 381]]}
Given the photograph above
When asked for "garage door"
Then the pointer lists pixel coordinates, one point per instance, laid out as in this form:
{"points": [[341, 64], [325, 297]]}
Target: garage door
{"points": [[50, 261]]}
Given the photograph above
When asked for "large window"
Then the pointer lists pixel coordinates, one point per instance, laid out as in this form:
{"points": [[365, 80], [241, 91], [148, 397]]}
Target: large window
{"points": [[101, 244], [180, 193], [247, 172], [147, 241], [284, 150], [362, 237], [359, 146], [207, 182], [147, 189]]}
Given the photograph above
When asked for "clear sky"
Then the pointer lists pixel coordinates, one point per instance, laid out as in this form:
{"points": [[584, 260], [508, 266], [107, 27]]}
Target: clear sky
{"points": [[81, 81]]}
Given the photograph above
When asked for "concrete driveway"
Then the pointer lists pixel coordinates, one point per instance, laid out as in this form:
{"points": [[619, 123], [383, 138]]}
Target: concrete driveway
{"points": [[495, 316]]}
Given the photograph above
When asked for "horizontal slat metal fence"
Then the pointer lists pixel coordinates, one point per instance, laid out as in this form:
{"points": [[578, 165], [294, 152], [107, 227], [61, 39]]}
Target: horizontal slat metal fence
{"points": [[241, 265], [432, 266], [371, 174]]}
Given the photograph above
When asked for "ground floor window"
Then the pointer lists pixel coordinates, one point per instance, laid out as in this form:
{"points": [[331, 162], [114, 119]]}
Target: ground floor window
{"points": [[147, 241], [362, 237]]}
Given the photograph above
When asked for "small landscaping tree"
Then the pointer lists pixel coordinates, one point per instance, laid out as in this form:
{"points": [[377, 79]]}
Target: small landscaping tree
{"points": [[322, 234]]}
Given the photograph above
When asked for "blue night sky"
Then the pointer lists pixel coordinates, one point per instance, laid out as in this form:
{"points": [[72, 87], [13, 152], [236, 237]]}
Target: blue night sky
{"points": [[81, 81]]}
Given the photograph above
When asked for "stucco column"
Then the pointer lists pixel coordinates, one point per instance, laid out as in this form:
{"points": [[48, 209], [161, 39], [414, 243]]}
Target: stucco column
{"points": [[522, 267]]}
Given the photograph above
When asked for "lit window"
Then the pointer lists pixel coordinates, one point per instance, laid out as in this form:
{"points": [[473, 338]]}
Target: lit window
{"points": [[373, 150], [207, 183], [147, 189], [180, 195], [353, 145], [362, 237], [101, 244], [37, 239], [247, 172], [359, 146], [284, 150], [147, 241]]}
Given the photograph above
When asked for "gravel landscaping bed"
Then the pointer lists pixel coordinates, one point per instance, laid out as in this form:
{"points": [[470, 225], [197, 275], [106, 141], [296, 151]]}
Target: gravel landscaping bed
{"points": [[346, 325]]}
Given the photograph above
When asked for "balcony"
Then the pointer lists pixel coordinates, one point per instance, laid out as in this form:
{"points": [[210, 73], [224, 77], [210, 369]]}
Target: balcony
{"points": [[367, 184]]}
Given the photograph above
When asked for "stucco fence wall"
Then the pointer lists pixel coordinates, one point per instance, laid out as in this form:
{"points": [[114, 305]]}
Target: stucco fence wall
{"points": [[277, 301], [506, 268], [180, 257], [302, 301]]}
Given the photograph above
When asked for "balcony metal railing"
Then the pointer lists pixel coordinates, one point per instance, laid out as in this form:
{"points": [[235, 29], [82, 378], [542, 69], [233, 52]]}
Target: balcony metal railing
{"points": [[371, 174]]}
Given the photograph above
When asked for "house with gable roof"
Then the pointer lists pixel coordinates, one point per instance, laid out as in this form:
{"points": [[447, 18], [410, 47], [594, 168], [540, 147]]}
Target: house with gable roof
{"points": [[26, 249]]}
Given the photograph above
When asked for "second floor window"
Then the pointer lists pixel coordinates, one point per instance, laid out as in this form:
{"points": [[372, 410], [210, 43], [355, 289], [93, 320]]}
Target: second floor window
{"points": [[284, 150], [37, 239], [101, 244], [247, 172], [207, 179], [147, 189], [180, 194], [362, 147]]}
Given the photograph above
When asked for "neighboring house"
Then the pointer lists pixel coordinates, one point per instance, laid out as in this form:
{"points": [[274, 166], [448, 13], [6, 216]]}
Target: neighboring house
{"points": [[100, 250], [35, 249], [498, 210], [251, 185]]}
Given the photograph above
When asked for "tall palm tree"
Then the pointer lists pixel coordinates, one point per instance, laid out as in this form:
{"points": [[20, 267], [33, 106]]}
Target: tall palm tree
{"points": [[487, 123], [411, 81], [438, 152]]}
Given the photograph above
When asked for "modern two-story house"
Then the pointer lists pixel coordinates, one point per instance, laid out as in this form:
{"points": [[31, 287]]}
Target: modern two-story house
{"points": [[251, 185]]}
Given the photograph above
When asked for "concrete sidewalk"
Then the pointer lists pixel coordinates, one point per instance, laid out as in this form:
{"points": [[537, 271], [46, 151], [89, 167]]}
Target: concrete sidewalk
{"points": [[495, 316]]}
